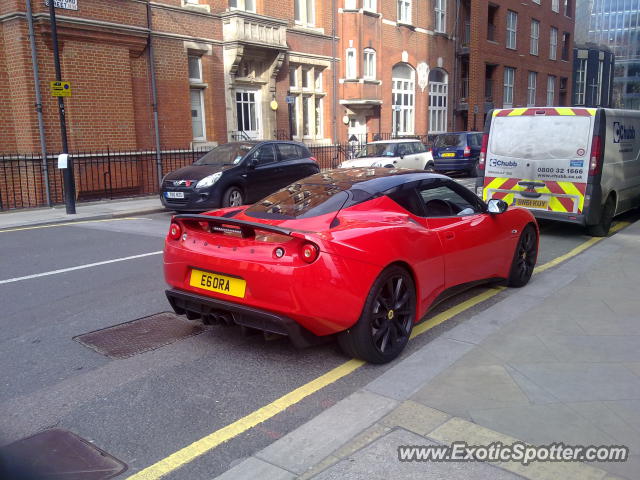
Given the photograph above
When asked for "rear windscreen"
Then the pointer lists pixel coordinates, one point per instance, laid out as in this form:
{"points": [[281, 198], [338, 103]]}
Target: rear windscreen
{"points": [[540, 137], [451, 140]]}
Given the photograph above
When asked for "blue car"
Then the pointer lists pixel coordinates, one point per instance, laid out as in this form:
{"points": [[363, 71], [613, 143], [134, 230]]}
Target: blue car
{"points": [[457, 151]]}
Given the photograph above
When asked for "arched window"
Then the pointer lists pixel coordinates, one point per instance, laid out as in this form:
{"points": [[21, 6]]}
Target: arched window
{"points": [[438, 90], [403, 98]]}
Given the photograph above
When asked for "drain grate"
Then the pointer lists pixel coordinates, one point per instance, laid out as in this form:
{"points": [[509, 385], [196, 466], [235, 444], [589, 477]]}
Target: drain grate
{"points": [[58, 453], [141, 335]]}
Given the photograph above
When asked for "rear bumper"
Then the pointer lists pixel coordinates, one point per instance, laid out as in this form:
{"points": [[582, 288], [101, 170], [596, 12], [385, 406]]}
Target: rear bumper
{"points": [[560, 216], [452, 164], [200, 306]]}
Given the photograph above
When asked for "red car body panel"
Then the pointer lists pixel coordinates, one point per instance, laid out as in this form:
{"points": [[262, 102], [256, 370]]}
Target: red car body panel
{"points": [[328, 295]]}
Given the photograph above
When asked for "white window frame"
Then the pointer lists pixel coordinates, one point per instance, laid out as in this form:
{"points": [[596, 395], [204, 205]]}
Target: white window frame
{"points": [[293, 75], [350, 64], [198, 59], [305, 113], [555, 6], [531, 89], [553, 43], [512, 30], [535, 37], [440, 25], [508, 91], [551, 90], [536, 1], [405, 90], [200, 92], [305, 12], [369, 64], [404, 11], [242, 5], [370, 5], [438, 114], [581, 81]]}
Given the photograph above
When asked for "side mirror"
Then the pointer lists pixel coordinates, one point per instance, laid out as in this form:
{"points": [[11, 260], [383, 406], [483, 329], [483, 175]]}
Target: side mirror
{"points": [[495, 206]]}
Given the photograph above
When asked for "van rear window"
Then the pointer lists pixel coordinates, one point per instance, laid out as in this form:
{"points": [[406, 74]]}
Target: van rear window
{"points": [[540, 138]]}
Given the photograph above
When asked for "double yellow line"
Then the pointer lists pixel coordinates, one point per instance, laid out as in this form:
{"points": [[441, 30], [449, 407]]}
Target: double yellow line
{"points": [[211, 441]]}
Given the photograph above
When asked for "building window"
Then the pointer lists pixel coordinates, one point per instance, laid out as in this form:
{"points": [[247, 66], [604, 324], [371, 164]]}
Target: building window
{"points": [[369, 64], [599, 92], [512, 29], [195, 68], [581, 81], [248, 5], [247, 112], [492, 16], [536, 1], [555, 5], [441, 16], [531, 89], [403, 98], [351, 67], [567, 8], [197, 114], [566, 38], [551, 90], [404, 11], [535, 36], [553, 43], [305, 12], [438, 100], [509, 78], [369, 5], [306, 111]]}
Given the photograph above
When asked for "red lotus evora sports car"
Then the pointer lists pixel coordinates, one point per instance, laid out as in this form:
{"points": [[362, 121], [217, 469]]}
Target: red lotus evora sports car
{"points": [[362, 253]]}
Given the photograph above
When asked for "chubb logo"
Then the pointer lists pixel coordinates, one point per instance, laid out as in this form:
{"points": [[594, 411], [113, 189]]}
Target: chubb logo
{"points": [[622, 133], [502, 163]]}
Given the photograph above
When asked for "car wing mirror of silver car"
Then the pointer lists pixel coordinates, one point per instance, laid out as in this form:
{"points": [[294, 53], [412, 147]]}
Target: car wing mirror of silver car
{"points": [[495, 206]]}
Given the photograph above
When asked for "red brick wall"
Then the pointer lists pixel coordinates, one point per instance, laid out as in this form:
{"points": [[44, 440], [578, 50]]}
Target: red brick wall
{"points": [[7, 132]]}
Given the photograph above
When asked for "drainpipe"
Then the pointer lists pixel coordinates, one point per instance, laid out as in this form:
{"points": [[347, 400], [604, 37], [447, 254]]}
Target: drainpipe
{"points": [[334, 108], [455, 67], [36, 80], [154, 93]]}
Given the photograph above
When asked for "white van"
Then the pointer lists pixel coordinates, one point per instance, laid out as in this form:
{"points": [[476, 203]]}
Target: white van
{"points": [[579, 165]]}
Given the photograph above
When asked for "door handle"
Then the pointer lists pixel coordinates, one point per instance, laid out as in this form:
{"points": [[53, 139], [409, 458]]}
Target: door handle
{"points": [[449, 236]]}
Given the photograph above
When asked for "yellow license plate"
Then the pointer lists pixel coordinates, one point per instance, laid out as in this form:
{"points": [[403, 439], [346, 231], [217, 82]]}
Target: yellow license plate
{"points": [[215, 282], [448, 154], [531, 203]]}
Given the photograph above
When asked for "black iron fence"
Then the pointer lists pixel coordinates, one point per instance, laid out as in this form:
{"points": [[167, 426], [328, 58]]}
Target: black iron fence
{"points": [[116, 174]]}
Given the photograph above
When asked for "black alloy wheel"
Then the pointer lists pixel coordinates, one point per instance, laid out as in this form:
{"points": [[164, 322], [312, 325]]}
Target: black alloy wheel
{"points": [[386, 321], [524, 259]]}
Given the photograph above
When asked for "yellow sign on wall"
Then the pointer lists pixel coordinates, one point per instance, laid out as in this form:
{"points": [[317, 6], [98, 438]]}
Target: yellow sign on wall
{"points": [[60, 89]]}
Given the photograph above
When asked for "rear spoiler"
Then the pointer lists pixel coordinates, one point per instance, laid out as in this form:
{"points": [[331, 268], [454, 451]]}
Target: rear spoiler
{"points": [[247, 229]]}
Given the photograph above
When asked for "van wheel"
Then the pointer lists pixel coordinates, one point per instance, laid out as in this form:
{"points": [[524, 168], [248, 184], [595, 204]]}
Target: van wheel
{"points": [[601, 229], [524, 258], [232, 197], [383, 329]]}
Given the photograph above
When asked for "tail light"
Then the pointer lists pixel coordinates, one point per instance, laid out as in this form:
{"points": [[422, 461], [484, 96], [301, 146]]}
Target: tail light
{"points": [[467, 151], [310, 252], [595, 164], [175, 231], [483, 151], [314, 159]]}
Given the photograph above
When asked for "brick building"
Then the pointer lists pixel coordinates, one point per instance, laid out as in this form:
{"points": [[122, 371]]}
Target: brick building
{"points": [[512, 53], [220, 65]]}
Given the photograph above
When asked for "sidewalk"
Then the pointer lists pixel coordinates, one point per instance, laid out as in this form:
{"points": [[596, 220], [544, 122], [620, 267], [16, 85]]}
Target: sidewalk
{"points": [[556, 361], [84, 211]]}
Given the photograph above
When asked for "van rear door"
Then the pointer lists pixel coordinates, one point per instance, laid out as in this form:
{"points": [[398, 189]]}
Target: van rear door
{"points": [[538, 158]]}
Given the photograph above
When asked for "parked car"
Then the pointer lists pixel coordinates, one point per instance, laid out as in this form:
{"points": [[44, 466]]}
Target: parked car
{"points": [[577, 165], [236, 173], [457, 151], [398, 153], [360, 253]]}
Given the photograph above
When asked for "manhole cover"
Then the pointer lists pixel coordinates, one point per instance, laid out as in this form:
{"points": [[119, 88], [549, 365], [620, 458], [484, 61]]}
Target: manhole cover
{"points": [[142, 335], [58, 454]]}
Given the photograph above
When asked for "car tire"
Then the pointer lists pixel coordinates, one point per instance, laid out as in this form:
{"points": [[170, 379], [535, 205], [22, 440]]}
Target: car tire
{"points": [[384, 327], [430, 167], [601, 229], [232, 197], [524, 258]]}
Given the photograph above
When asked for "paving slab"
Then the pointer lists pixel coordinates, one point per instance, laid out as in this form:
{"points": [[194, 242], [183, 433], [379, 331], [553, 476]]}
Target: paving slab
{"points": [[254, 468]]}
